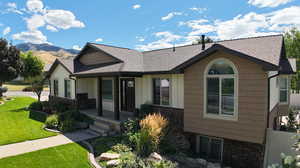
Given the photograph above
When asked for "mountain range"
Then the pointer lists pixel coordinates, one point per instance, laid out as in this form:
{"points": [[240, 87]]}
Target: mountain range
{"points": [[46, 52]]}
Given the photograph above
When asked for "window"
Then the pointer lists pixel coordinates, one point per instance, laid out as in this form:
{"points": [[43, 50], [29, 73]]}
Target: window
{"points": [[161, 91], [221, 90], [67, 88], [210, 148], [107, 89], [55, 87], [283, 90]]}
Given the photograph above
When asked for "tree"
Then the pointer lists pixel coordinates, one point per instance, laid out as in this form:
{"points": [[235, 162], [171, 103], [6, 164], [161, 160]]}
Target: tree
{"points": [[206, 40], [33, 72], [10, 63], [292, 46], [291, 120]]}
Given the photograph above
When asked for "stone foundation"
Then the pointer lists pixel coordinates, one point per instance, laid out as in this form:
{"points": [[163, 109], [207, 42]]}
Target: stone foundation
{"points": [[237, 154]]}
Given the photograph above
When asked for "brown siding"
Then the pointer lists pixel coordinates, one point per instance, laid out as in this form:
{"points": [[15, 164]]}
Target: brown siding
{"points": [[283, 109], [252, 102], [96, 58]]}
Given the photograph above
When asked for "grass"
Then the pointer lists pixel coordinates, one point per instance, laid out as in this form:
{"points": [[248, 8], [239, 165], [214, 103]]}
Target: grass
{"points": [[18, 124], [65, 156]]}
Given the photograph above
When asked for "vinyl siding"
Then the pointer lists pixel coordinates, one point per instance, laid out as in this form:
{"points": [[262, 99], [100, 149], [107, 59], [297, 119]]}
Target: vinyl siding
{"points": [[96, 58], [252, 102], [60, 74], [144, 86]]}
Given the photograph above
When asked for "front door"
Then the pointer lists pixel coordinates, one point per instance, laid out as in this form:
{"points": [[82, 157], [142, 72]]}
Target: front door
{"points": [[128, 94]]}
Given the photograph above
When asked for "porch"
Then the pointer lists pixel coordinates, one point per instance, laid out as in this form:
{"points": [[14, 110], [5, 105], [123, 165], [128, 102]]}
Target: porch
{"points": [[110, 97]]}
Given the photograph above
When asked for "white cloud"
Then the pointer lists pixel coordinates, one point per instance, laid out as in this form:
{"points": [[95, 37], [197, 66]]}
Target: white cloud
{"points": [[62, 19], [35, 6], [166, 40], [140, 39], [35, 22], [99, 40], [137, 6], [35, 36], [268, 3], [284, 19], [12, 7], [6, 31], [199, 10], [76, 47], [171, 15], [51, 28]]}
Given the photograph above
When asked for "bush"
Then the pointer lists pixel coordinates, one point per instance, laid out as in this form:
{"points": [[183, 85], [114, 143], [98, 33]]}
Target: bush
{"points": [[67, 125], [145, 109], [3, 89], [130, 127], [46, 107], [52, 122], [121, 148], [27, 89], [155, 124], [60, 107], [36, 106], [143, 143]]}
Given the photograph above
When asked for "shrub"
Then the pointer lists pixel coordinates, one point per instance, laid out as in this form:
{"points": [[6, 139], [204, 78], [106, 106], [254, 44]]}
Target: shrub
{"points": [[36, 106], [60, 107], [3, 90], [291, 120], [121, 148], [46, 107], [130, 126], [145, 109], [155, 124], [52, 122], [143, 143], [67, 125], [27, 89]]}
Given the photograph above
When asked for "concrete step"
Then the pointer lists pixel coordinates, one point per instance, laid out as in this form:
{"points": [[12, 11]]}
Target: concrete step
{"points": [[99, 130], [93, 132], [105, 126]]}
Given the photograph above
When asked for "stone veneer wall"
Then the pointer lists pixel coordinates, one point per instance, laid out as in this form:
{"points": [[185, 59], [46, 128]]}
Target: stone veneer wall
{"points": [[237, 154]]}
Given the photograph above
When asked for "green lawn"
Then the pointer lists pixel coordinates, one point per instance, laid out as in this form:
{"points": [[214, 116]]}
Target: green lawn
{"points": [[65, 156], [19, 124]]}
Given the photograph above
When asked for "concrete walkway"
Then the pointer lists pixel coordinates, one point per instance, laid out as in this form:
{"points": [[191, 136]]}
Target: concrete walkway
{"points": [[34, 145]]}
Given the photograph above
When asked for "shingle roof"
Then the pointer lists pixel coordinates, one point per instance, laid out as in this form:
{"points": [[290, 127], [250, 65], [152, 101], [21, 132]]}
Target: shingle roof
{"points": [[267, 49], [68, 63]]}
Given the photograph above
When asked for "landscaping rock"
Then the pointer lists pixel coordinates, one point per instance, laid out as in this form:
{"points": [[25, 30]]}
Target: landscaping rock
{"points": [[155, 156], [113, 162], [109, 156]]}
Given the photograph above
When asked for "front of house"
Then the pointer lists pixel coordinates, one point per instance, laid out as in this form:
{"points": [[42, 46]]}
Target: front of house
{"points": [[224, 94]]}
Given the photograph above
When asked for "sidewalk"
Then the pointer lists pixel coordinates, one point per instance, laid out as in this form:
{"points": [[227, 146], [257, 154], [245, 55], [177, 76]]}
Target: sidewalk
{"points": [[34, 145]]}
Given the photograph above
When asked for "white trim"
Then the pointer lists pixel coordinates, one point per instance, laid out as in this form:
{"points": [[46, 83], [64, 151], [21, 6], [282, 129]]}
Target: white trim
{"points": [[170, 91], [233, 117]]}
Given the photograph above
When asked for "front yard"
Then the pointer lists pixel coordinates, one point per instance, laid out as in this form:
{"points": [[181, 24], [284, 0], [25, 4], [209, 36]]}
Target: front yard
{"points": [[18, 124], [70, 155]]}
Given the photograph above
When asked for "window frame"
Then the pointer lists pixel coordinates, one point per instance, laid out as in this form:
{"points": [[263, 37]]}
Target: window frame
{"points": [[55, 91], [112, 90], [69, 89], [234, 76], [210, 138], [287, 89], [160, 91]]}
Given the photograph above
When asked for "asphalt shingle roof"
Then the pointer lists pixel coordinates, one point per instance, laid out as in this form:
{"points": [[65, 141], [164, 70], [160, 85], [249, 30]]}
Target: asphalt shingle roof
{"points": [[266, 48]]}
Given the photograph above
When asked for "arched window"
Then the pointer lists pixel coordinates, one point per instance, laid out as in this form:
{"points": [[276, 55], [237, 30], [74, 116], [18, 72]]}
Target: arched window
{"points": [[220, 85]]}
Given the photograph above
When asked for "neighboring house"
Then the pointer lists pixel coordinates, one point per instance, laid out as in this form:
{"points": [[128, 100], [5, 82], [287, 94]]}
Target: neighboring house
{"points": [[228, 92]]}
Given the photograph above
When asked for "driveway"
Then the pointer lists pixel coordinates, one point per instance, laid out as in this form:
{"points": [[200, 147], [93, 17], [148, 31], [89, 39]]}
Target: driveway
{"points": [[44, 96]]}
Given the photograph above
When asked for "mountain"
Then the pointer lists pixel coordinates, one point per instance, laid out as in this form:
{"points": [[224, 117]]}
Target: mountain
{"points": [[46, 52], [44, 47]]}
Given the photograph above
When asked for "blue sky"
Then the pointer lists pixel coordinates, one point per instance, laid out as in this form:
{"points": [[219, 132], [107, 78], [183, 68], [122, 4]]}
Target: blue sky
{"points": [[142, 24]]}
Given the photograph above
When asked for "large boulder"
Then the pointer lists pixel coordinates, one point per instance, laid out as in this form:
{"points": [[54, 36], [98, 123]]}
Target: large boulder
{"points": [[155, 156], [109, 156], [113, 162]]}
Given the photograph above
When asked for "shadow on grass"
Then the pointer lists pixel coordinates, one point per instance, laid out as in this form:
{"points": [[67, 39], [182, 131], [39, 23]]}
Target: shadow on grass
{"points": [[37, 116], [18, 110]]}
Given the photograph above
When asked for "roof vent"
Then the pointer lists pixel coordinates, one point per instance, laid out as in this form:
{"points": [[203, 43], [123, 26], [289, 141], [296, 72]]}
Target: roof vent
{"points": [[203, 41]]}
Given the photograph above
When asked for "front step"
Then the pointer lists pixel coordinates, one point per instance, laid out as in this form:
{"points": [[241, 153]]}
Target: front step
{"points": [[99, 130]]}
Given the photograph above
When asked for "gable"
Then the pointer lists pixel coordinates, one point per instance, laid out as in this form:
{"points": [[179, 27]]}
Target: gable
{"points": [[93, 57], [59, 72]]}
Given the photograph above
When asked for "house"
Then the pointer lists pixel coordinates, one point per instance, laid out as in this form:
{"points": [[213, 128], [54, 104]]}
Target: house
{"points": [[228, 92]]}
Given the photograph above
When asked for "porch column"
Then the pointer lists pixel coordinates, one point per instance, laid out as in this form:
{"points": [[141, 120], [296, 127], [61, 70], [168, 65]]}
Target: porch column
{"points": [[100, 106], [116, 98]]}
